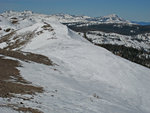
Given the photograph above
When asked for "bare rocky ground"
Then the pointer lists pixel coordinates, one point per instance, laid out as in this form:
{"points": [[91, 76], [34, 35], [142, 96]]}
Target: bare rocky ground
{"points": [[11, 82]]}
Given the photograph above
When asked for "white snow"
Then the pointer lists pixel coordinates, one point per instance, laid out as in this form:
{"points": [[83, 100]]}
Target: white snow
{"points": [[85, 78], [66, 18], [141, 41], [2, 45], [7, 110], [82, 70]]}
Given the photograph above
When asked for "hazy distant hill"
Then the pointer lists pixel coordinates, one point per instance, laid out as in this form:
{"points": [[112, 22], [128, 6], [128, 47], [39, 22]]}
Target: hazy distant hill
{"points": [[141, 23]]}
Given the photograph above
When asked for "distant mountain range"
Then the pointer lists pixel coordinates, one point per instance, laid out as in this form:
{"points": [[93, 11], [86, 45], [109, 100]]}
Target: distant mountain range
{"points": [[45, 67], [66, 18], [113, 18], [131, 34], [110, 29], [130, 40]]}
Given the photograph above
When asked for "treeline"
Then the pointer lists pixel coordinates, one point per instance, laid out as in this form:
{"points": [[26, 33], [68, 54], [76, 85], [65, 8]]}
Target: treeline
{"points": [[123, 29], [141, 57], [138, 56]]}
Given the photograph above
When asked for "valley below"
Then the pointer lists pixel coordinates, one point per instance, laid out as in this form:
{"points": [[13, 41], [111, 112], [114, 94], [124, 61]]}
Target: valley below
{"points": [[73, 64]]}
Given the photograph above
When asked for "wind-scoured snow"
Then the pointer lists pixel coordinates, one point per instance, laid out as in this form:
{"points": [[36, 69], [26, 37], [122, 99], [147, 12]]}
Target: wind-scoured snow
{"points": [[85, 78], [83, 70]]}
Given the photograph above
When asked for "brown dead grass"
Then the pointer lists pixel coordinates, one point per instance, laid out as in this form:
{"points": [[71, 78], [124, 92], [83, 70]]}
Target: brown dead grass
{"points": [[40, 32], [28, 110], [19, 40], [22, 109], [27, 56], [47, 27], [14, 20], [7, 66], [11, 82], [6, 37], [9, 88]]}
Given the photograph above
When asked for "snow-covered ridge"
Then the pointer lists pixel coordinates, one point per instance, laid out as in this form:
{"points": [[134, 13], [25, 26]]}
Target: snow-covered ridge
{"points": [[11, 20], [65, 18], [18, 20], [85, 79]]}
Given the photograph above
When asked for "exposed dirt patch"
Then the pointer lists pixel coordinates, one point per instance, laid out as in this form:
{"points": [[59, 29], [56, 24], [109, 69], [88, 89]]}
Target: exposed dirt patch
{"points": [[7, 30], [6, 37], [17, 41], [40, 32], [14, 20], [22, 109], [26, 56], [47, 27], [28, 110], [8, 69], [8, 89], [11, 82]]}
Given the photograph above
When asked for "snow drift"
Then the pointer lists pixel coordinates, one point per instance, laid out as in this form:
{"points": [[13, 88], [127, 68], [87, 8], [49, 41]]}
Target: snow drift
{"points": [[85, 78]]}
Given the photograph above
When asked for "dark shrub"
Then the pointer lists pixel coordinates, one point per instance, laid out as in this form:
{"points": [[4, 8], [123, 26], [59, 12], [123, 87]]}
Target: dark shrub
{"points": [[7, 30]]}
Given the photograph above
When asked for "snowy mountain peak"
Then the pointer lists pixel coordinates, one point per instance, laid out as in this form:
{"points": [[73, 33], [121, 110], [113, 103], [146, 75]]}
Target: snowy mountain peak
{"points": [[28, 11], [66, 18], [112, 16], [14, 12], [84, 78]]}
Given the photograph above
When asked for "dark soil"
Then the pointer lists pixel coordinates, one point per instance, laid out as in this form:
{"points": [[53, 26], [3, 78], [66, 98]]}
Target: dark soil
{"points": [[22, 109], [27, 56], [28, 110], [12, 82]]}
